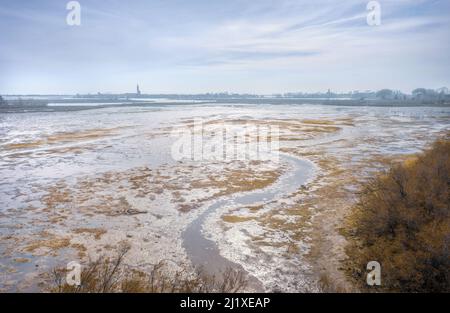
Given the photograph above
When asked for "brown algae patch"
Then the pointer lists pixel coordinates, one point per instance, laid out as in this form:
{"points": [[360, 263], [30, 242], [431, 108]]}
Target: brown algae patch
{"points": [[63, 137], [236, 219], [234, 181], [96, 232], [66, 137], [290, 129], [24, 145], [52, 244]]}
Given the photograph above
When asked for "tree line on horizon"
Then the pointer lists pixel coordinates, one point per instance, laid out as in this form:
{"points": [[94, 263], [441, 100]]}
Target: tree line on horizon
{"points": [[418, 94]]}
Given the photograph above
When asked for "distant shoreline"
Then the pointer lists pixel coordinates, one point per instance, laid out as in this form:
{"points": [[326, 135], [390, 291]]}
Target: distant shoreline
{"points": [[33, 105]]}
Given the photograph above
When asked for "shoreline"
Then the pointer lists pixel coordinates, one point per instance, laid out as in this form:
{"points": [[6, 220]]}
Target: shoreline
{"points": [[36, 106]]}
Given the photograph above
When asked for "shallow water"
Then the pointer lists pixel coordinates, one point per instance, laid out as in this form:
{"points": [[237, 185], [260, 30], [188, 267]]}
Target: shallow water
{"points": [[396, 128]]}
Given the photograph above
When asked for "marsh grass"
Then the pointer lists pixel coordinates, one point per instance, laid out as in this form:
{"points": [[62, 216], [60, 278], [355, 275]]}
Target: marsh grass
{"points": [[53, 244], [96, 232], [236, 219]]}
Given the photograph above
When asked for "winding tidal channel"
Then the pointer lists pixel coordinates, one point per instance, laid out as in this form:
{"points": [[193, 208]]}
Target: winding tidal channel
{"points": [[204, 253]]}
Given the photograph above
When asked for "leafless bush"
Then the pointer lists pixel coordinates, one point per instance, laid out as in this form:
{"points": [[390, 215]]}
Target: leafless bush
{"points": [[101, 276], [403, 221], [110, 275]]}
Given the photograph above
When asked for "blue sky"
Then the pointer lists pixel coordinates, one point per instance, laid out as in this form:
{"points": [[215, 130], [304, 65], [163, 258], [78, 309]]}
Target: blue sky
{"points": [[194, 46]]}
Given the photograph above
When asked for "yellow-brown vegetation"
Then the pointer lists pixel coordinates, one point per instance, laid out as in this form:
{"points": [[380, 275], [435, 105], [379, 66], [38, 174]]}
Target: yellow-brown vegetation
{"points": [[402, 221], [108, 275]]}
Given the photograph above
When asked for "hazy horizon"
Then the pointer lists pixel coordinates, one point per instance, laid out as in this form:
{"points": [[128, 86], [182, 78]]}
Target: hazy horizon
{"points": [[143, 93], [264, 47]]}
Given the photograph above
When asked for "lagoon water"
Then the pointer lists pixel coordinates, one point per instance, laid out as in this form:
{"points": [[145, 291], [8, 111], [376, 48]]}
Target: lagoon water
{"points": [[41, 148], [130, 147]]}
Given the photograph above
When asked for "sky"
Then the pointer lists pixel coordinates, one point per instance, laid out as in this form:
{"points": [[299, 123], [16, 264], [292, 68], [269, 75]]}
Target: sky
{"points": [[243, 46]]}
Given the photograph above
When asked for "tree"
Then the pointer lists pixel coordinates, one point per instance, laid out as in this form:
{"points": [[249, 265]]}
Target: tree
{"points": [[425, 94], [419, 92], [2, 101], [384, 94], [443, 90]]}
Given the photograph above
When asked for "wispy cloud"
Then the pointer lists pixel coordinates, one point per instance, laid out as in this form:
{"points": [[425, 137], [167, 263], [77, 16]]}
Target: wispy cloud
{"points": [[199, 45]]}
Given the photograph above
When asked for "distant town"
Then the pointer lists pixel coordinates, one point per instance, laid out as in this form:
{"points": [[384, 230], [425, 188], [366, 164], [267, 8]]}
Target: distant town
{"points": [[383, 97]]}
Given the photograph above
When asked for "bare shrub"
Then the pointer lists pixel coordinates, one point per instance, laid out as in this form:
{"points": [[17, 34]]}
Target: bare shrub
{"points": [[108, 275], [101, 276], [402, 220]]}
